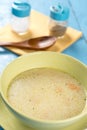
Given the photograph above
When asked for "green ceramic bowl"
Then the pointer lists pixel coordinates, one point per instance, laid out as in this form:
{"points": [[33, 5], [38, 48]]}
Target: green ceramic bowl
{"points": [[45, 59]]}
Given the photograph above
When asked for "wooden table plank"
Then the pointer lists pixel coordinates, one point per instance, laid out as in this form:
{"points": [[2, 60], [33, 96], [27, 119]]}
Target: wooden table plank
{"points": [[80, 12]]}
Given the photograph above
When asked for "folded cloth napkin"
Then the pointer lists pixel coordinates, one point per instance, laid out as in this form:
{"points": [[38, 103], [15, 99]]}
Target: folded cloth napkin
{"points": [[38, 27]]}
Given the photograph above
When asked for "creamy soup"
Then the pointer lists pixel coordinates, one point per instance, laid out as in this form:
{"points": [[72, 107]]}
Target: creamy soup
{"points": [[46, 93]]}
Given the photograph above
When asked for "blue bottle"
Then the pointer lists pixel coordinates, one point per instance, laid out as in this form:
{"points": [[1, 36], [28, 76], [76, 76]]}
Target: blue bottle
{"points": [[59, 15], [20, 16]]}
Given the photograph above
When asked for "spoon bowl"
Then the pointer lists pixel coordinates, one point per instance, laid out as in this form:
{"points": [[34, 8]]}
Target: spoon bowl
{"points": [[35, 43]]}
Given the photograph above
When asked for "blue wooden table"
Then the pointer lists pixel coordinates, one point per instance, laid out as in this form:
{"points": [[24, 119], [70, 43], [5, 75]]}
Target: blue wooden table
{"points": [[77, 20]]}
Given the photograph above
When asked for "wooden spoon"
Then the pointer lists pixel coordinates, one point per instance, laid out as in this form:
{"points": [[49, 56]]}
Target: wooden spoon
{"points": [[35, 43]]}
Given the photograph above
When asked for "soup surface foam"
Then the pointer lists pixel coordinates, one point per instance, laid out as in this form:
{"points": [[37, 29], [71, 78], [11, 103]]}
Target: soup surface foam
{"points": [[46, 93]]}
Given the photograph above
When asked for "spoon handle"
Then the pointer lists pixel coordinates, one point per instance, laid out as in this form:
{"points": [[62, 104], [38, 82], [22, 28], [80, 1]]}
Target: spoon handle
{"points": [[35, 43], [24, 45], [15, 44]]}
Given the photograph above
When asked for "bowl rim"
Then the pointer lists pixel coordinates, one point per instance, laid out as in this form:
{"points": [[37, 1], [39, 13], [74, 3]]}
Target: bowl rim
{"points": [[50, 122]]}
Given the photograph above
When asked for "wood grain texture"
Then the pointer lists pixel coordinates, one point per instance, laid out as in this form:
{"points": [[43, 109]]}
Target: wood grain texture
{"points": [[80, 13]]}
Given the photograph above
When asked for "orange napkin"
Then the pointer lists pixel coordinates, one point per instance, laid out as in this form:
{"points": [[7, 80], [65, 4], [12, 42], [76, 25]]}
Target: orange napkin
{"points": [[39, 27]]}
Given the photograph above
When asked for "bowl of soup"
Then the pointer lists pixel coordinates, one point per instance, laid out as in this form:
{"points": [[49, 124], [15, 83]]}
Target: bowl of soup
{"points": [[46, 90]]}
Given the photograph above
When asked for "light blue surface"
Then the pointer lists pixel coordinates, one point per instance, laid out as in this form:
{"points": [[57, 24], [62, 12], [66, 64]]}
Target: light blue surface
{"points": [[77, 20]]}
